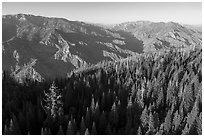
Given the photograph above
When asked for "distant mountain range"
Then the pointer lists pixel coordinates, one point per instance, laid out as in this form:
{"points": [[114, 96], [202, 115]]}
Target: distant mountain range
{"points": [[40, 47]]}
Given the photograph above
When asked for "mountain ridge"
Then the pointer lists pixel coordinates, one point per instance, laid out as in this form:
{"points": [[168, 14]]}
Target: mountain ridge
{"points": [[61, 45]]}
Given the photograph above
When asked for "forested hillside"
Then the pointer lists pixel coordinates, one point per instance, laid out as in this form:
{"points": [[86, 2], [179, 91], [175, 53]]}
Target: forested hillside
{"points": [[41, 47], [153, 93]]}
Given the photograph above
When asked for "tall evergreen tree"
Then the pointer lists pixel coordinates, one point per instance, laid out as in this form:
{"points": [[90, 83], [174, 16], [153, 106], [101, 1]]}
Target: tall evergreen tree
{"points": [[87, 132], [167, 123], [82, 127], [93, 129], [53, 102], [145, 119], [60, 132], [70, 129]]}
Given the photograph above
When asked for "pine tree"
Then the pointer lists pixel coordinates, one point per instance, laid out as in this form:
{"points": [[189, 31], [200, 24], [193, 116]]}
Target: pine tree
{"points": [[92, 105], [152, 125], [103, 103], [60, 132], [73, 123], [97, 113], [53, 102], [14, 126], [82, 127], [114, 116], [70, 129], [176, 120], [186, 130], [88, 121], [188, 98], [93, 130], [193, 114], [6, 130], [191, 120], [87, 132], [167, 122], [199, 124], [161, 130], [130, 108], [145, 119], [139, 131], [42, 131], [129, 102]]}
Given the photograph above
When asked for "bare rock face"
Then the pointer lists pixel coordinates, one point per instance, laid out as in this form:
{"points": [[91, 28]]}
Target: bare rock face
{"points": [[113, 56], [21, 73], [119, 42], [16, 55], [65, 55]]}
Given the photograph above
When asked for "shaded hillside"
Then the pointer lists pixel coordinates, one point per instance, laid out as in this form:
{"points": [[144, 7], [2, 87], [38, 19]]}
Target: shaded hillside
{"points": [[58, 42]]}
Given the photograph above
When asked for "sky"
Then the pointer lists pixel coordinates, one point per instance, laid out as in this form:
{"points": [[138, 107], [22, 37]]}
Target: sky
{"points": [[111, 12]]}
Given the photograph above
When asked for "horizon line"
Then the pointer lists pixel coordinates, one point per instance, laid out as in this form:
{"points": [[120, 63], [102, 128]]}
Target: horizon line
{"points": [[89, 22]]}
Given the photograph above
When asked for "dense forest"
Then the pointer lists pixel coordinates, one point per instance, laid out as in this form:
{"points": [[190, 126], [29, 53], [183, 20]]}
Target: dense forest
{"points": [[153, 93]]}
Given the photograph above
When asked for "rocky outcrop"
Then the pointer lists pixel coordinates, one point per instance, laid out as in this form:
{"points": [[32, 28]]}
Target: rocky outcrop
{"points": [[119, 42], [117, 49], [83, 43], [64, 53], [113, 56], [27, 71]]}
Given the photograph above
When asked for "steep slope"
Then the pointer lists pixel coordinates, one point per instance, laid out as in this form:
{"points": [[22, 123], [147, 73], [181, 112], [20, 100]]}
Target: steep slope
{"points": [[162, 35], [152, 94], [60, 45]]}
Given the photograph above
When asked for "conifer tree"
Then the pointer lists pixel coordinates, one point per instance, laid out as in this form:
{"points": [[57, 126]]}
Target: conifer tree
{"points": [[103, 103], [88, 121], [92, 104], [53, 102], [167, 122], [70, 129], [82, 127], [87, 132], [145, 119], [42, 131], [113, 116], [93, 129], [191, 119], [199, 124], [139, 131], [176, 120], [6, 130], [152, 124], [97, 113], [188, 98], [60, 132], [14, 126]]}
